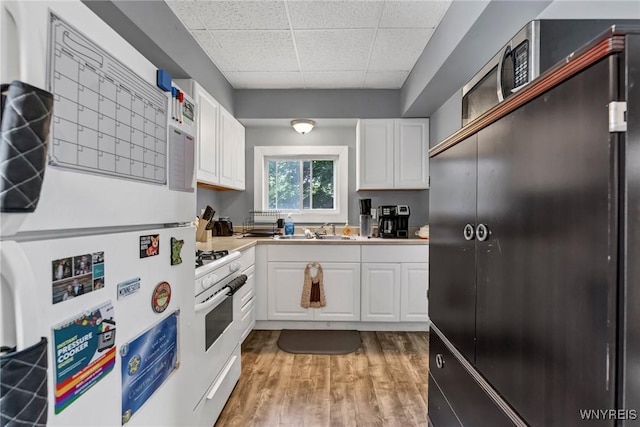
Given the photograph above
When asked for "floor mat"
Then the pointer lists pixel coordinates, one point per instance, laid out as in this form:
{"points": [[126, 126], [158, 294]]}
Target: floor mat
{"points": [[318, 341]]}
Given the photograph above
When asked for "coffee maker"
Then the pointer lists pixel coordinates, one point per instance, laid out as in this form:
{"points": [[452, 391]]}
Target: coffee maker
{"points": [[393, 221]]}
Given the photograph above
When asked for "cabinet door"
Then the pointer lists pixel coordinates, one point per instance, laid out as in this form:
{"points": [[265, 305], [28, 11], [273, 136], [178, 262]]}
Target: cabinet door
{"points": [[285, 281], [208, 109], [227, 148], [413, 292], [342, 292], [238, 174], [380, 292], [374, 154], [452, 261], [546, 317], [411, 157]]}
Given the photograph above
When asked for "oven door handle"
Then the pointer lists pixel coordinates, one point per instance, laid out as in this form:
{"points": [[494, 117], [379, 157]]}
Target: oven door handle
{"points": [[212, 302]]}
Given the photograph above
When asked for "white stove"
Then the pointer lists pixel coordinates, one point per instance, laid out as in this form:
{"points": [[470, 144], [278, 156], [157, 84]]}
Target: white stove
{"points": [[216, 271]]}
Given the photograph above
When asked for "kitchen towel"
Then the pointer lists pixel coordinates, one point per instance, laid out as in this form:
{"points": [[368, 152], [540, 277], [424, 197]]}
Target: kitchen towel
{"points": [[313, 289], [23, 387], [25, 118]]}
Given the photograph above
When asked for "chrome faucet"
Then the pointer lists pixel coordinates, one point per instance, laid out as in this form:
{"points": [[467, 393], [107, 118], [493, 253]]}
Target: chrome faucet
{"points": [[320, 231]]}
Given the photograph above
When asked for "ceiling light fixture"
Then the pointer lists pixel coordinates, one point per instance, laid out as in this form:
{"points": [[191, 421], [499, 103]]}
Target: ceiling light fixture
{"points": [[303, 125]]}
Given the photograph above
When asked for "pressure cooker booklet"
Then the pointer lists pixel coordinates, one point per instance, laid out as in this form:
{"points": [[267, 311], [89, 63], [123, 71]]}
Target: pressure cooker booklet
{"points": [[85, 353]]}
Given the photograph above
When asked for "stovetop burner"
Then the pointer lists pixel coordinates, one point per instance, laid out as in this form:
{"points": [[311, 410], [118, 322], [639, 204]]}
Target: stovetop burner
{"points": [[204, 257]]}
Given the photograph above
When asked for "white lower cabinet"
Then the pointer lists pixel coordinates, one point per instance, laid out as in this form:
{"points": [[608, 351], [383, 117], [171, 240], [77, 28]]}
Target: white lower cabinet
{"points": [[341, 283], [413, 292], [380, 292], [395, 280]]}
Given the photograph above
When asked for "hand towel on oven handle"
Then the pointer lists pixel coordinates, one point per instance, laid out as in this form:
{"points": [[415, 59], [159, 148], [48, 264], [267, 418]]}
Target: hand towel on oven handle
{"points": [[236, 284]]}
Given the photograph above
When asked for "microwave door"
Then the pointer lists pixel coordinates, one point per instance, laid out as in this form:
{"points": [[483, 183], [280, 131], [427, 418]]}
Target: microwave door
{"points": [[481, 98], [506, 75]]}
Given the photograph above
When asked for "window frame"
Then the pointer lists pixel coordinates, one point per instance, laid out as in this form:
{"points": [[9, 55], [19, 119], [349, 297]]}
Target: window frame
{"points": [[339, 154]]}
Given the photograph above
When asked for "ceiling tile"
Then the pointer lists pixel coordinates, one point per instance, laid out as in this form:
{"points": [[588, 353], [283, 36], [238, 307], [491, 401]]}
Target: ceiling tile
{"points": [[413, 14], [258, 50], [243, 15], [333, 79], [398, 49], [187, 12], [328, 50], [213, 50], [334, 14], [260, 80], [385, 79]]}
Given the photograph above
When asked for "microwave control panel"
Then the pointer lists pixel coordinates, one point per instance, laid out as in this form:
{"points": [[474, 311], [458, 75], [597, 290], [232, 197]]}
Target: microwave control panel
{"points": [[521, 64]]}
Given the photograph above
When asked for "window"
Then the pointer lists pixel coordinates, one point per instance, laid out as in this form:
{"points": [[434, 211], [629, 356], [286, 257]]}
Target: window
{"points": [[310, 182]]}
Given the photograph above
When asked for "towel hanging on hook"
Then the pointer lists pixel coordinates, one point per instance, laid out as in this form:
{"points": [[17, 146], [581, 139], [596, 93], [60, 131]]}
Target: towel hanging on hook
{"points": [[313, 289]]}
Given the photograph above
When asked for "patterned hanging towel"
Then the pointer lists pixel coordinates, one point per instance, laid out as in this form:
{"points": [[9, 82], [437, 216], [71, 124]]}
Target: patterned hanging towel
{"points": [[313, 290]]}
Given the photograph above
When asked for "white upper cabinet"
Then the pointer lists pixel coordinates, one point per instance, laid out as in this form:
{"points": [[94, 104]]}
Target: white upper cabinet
{"points": [[207, 138], [220, 144], [238, 176], [227, 148], [410, 156], [392, 154]]}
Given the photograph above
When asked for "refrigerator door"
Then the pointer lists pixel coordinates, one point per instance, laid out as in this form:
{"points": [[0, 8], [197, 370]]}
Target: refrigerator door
{"points": [[56, 281], [97, 146]]}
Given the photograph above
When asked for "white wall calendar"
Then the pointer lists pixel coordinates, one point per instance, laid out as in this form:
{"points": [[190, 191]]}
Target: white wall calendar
{"points": [[106, 118]]}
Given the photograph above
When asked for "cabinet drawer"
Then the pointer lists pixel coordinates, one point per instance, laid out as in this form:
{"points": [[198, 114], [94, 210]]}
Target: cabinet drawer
{"points": [[314, 252], [248, 290], [471, 405], [248, 319], [247, 259], [395, 253], [440, 413]]}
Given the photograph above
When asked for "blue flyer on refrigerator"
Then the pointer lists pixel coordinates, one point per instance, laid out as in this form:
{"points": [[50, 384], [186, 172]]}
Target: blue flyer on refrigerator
{"points": [[147, 362]]}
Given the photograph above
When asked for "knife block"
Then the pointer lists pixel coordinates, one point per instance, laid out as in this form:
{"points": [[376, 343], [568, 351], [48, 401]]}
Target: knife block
{"points": [[202, 234]]}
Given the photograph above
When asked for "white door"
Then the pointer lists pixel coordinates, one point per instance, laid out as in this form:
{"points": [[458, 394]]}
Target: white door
{"points": [[413, 293], [227, 148], [411, 157], [380, 292], [47, 276], [341, 282], [285, 281], [208, 108], [374, 154]]}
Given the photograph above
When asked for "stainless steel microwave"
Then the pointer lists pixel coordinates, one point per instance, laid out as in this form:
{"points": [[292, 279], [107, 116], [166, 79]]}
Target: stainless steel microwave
{"points": [[534, 49]]}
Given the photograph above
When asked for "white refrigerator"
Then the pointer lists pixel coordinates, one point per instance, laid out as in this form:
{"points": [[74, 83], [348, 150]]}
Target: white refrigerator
{"points": [[104, 266]]}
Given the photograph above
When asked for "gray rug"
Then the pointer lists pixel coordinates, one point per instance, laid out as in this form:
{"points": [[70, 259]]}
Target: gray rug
{"points": [[318, 341]]}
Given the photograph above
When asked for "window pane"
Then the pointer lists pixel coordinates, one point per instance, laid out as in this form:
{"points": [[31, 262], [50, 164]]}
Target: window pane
{"points": [[272, 185], [306, 184], [286, 185], [322, 187]]}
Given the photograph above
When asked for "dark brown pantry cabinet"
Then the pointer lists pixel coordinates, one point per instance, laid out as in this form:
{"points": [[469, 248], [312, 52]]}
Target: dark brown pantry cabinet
{"points": [[534, 247]]}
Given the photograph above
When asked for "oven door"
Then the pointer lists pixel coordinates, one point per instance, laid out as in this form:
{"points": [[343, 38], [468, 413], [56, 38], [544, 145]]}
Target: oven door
{"points": [[216, 338]]}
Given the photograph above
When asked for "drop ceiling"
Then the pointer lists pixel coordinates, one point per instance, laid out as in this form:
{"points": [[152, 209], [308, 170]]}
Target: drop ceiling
{"points": [[287, 44]]}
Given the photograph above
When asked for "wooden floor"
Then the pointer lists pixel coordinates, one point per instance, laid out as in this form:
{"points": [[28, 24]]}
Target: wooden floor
{"points": [[384, 383]]}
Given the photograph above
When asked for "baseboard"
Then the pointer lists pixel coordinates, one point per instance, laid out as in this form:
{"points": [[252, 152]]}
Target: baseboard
{"points": [[359, 326]]}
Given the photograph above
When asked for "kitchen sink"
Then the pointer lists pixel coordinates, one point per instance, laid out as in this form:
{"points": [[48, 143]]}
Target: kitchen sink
{"points": [[303, 237], [292, 237]]}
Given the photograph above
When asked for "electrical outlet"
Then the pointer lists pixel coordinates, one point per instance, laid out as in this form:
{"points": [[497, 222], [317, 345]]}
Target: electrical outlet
{"points": [[374, 213]]}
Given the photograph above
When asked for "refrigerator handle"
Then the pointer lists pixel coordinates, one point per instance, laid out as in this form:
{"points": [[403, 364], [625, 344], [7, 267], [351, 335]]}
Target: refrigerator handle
{"points": [[17, 274]]}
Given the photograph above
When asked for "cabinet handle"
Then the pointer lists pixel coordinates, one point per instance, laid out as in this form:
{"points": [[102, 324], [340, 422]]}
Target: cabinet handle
{"points": [[482, 232], [439, 361], [468, 232]]}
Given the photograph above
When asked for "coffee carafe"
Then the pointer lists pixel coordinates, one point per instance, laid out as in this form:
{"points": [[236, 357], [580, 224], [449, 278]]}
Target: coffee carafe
{"points": [[366, 226]]}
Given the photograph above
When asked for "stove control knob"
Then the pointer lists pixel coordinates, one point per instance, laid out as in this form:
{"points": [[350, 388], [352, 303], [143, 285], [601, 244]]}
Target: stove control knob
{"points": [[203, 283], [213, 278], [234, 266]]}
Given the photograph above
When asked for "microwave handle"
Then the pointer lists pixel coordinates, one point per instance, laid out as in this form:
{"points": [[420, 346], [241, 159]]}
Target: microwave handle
{"points": [[499, 76]]}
